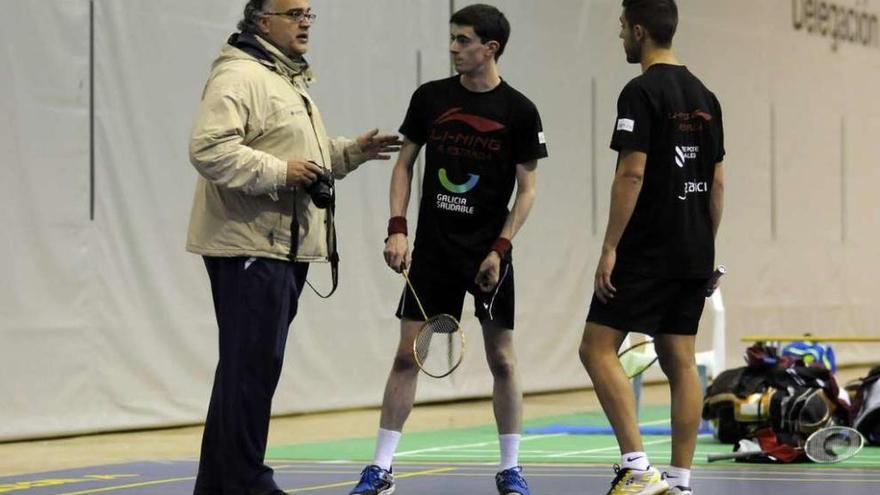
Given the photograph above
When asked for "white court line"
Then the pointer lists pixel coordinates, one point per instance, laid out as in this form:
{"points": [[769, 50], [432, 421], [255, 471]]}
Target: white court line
{"points": [[465, 456], [652, 423], [650, 452], [613, 447], [524, 439], [656, 422], [480, 444]]}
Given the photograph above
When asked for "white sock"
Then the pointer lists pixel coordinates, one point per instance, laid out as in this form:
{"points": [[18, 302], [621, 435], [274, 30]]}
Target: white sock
{"points": [[509, 451], [635, 460], [677, 476], [386, 445]]}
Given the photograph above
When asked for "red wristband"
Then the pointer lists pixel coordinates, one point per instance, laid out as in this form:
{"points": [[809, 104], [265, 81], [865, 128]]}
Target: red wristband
{"points": [[397, 225], [501, 246]]}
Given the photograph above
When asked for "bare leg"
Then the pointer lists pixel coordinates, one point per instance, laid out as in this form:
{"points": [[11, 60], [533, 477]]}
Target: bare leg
{"points": [[507, 392], [598, 353], [676, 356], [400, 389]]}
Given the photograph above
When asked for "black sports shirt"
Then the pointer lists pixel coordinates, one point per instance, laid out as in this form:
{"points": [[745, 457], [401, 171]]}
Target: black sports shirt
{"points": [[671, 116], [473, 143]]}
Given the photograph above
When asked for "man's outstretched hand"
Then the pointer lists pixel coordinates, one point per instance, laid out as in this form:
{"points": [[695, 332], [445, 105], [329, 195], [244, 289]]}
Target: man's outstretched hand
{"points": [[378, 146]]}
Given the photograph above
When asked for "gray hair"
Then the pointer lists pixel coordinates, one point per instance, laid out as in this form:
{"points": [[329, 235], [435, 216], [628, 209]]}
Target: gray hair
{"points": [[252, 11]]}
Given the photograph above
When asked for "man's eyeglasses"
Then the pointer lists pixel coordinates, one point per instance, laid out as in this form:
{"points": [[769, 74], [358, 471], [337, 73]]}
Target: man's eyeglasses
{"points": [[296, 15]]}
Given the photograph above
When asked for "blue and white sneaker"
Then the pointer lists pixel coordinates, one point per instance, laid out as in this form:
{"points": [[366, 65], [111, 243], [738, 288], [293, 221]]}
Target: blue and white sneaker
{"points": [[511, 482], [374, 481]]}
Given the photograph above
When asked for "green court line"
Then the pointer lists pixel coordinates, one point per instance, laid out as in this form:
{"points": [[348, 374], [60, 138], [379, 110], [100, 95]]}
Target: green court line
{"points": [[480, 445]]}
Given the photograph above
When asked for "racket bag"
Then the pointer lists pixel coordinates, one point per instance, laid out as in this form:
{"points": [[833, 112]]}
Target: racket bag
{"points": [[868, 402], [801, 410], [737, 403], [812, 353], [790, 398]]}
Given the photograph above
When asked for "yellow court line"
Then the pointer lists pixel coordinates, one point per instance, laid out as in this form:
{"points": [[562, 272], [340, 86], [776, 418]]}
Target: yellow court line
{"points": [[132, 485], [349, 482]]}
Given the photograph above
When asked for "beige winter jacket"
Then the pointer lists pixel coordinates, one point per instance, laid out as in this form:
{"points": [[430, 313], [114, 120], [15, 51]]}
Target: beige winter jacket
{"points": [[254, 116]]}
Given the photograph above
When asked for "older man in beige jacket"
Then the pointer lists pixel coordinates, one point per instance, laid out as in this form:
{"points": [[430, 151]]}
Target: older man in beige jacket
{"points": [[258, 143]]}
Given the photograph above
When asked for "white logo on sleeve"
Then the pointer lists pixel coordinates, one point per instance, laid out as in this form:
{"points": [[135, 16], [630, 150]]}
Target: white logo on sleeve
{"points": [[627, 125], [541, 138]]}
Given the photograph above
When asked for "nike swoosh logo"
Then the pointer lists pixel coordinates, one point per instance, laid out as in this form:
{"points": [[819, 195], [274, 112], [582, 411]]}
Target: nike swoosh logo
{"points": [[630, 459]]}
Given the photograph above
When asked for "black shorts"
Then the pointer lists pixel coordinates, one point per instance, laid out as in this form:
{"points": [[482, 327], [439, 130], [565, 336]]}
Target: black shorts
{"points": [[651, 305], [442, 290]]}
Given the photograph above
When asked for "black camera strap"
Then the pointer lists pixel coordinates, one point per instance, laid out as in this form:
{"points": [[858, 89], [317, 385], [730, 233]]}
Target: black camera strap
{"points": [[334, 254]]}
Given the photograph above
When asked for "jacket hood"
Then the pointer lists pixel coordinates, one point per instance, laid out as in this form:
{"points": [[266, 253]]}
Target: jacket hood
{"points": [[246, 46]]}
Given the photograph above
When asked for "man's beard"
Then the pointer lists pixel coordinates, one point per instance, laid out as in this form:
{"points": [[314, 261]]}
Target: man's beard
{"points": [[633, 52]]}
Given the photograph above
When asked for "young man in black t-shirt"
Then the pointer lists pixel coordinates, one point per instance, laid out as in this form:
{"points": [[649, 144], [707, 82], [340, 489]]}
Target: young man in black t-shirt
{"points": [[482, 138], [658, 253]]}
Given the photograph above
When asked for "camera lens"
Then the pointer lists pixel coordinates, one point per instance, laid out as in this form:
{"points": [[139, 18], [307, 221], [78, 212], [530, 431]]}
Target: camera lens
{"points": [[321, 191]]}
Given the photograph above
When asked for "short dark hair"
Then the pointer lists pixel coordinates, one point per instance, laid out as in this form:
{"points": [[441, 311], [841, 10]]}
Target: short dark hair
{"points": [[252, 11], [489, 24], [658, 17]]}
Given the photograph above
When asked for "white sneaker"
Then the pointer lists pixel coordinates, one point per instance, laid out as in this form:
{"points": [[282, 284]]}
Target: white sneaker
{"points": [[677, 489], [635, 482]]}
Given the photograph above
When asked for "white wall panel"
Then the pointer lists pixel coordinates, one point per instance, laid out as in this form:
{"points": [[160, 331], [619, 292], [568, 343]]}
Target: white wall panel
{"points": [[158, 337], [44, 184]]}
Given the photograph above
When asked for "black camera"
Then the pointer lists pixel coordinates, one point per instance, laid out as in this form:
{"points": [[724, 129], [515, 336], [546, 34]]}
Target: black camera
{"points": [[322, 190]]}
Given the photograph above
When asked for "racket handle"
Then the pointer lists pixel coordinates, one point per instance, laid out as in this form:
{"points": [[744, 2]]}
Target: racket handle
{"points": [[716, 275], [412, 289]]}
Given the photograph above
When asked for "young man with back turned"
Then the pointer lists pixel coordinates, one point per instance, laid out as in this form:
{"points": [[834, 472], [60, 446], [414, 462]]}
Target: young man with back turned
{"points": [[482, 137], [658, 252]]}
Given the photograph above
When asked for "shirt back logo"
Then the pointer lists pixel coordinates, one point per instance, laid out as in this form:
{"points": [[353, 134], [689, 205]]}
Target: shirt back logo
{"points": [[691, 122]]}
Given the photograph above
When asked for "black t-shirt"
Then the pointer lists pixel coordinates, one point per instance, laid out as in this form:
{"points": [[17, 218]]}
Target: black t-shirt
{"points": [[670, 115], [473, 143]]}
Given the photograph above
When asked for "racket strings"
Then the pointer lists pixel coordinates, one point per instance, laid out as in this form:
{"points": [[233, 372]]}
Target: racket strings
{"points": [[833, 444], [439, 345]]}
